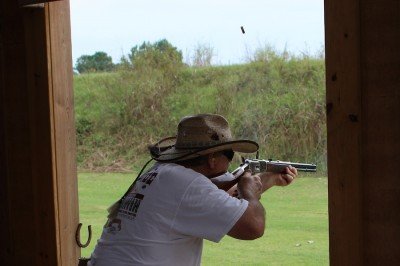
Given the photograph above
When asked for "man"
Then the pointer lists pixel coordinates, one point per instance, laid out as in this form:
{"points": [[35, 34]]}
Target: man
{"points": [[170, 209]]}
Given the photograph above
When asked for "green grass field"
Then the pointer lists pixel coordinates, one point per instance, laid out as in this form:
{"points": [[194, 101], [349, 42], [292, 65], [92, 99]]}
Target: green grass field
{"points": [[296, 233]]}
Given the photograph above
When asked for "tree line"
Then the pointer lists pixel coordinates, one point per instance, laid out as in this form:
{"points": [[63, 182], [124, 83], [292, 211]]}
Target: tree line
{"points": [[158, 53]]}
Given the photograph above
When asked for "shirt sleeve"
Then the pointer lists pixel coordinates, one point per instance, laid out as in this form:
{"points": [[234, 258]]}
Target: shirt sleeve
{"points": [[207, 212]]}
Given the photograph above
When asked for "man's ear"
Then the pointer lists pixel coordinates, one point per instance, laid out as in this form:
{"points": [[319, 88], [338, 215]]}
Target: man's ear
{"points": [[211, 161]]}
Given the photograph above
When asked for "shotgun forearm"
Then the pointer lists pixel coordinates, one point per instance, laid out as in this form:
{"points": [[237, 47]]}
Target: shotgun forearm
{"points": [[258, 166]]}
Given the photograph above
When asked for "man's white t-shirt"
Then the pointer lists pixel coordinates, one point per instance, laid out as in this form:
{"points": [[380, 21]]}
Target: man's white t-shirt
{"points": [[165, 218]]}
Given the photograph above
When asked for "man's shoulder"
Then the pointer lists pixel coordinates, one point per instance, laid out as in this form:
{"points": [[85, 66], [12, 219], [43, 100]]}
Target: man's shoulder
{"points": [[176, 170], [176, 173]]}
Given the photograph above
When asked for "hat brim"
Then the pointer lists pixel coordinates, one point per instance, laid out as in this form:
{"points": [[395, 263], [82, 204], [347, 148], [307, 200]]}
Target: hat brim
{"points": [[172, 154]]}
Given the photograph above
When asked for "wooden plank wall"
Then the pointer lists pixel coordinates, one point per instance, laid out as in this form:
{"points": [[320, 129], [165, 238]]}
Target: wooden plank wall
{"points": [[363, 118], [38, 184]]}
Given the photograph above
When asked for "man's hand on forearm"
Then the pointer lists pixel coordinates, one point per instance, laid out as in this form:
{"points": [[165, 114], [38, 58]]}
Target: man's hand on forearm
{"points": [[270, 179]]}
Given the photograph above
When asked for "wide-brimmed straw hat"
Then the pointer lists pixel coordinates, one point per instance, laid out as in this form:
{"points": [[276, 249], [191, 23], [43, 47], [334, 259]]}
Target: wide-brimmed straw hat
{"points": [[199, 135]]}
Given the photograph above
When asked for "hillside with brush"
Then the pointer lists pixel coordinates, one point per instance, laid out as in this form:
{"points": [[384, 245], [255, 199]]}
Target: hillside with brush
{"points": [[276, 99]]}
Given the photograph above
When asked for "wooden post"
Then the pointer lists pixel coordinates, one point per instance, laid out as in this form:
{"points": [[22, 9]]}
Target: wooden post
{"points": [[38, 184], [63, 126], [363, 112]]}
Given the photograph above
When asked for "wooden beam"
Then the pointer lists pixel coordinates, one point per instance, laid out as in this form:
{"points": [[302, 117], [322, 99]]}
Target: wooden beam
{"points": [[33, 3], [63, 128], [363, 110], [24, 194], [344, 119], [38, 185], [380, 36]]}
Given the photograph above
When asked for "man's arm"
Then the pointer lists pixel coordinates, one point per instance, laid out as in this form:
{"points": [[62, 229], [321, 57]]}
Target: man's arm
{"points": [[251, 224]]}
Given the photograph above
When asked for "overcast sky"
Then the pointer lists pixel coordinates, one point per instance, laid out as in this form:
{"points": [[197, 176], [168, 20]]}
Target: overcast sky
{"points": [[115, 26]]}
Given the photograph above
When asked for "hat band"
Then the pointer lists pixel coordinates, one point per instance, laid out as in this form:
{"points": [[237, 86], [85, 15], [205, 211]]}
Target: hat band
{"points": [[199, 145]]}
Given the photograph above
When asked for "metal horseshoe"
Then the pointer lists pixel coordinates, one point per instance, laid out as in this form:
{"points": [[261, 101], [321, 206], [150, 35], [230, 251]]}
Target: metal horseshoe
{"points": [[78, 236]]}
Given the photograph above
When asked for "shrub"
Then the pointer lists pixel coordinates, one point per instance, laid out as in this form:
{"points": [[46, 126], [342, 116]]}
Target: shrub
{"points": [[98, 62]]}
